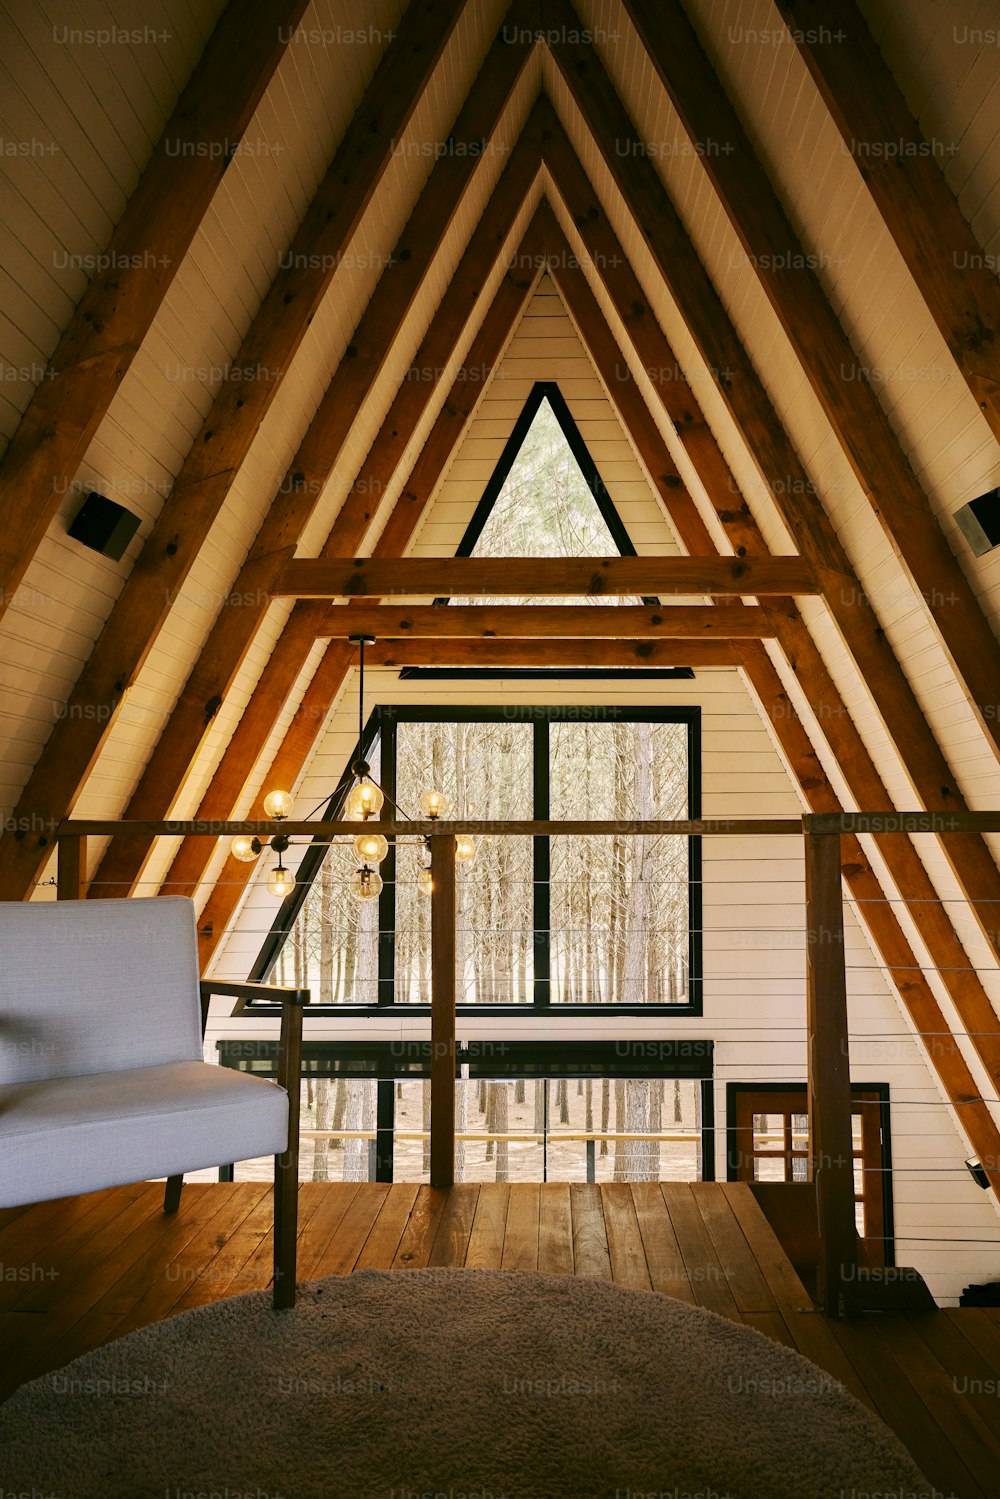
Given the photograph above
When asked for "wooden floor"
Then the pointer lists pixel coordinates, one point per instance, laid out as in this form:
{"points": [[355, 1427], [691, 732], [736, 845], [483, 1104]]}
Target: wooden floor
{"points": [[77, 1272]]}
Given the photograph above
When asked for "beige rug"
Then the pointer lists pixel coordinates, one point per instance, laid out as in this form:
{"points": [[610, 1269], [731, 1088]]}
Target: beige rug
{"points": [[439, 1384]]}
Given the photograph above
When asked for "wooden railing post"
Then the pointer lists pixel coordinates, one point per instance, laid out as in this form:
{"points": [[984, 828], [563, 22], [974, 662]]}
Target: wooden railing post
{"points": [[443, 907], [71, 868], [831, 1157]]}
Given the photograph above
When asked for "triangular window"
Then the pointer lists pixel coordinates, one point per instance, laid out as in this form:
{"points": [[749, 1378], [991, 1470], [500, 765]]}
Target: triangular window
{"points": [[546, 498]]}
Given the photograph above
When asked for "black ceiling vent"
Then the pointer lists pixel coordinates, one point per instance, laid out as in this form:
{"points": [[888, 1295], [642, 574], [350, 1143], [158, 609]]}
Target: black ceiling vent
{"points": [[104, 525], [979, 522]]}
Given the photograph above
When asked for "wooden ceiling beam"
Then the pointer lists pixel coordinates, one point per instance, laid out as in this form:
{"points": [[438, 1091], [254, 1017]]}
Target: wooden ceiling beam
{"points": [[830, 713], [904, 174], [297, 640], [760, 428], [782, 266], [489, 654], [243, 613], [548, 622], [543, 577], [138, 266], [227, 433]]}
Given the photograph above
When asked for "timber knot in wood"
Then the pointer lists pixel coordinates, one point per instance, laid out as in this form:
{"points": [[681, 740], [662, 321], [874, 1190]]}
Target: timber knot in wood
{"points": [[212, 707], [671, 481], [350, 352], [404, 254], [171, 548], [288, 297], [656, 619], [741, 551], [644, 649]]}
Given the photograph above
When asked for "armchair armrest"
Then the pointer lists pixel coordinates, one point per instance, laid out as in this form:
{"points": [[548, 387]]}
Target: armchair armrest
{"points": [[244, 989], [250, 989]]}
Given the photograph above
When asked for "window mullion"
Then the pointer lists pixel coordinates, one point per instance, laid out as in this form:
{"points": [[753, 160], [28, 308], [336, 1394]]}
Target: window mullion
{"points": [[541, 868]]}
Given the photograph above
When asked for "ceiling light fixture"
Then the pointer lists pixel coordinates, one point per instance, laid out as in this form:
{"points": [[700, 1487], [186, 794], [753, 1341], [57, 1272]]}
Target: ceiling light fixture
{"points": [[365, 801]]}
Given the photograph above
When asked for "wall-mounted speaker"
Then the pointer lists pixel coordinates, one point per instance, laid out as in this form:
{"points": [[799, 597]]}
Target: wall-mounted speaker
{"points": [[979, 522], [104, 525]]}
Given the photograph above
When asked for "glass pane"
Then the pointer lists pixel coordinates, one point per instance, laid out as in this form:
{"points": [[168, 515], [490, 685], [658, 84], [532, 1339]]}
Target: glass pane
{"points": [[545, 508], [769, 1168], [333, 944], [619, 904], [485, 770], [563, 1129]]}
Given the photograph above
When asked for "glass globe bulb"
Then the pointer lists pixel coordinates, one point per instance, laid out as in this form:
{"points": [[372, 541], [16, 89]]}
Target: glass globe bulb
{"points": [[371, 848], [280, 882], [366, 883], [434, 804], [242, 848], [364, 801], [278, 804], [424, 882], [465, 848]]}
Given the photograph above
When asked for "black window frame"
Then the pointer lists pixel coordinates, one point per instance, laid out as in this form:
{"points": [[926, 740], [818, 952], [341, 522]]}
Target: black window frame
{"points": [[547, 390], [382, 726]]}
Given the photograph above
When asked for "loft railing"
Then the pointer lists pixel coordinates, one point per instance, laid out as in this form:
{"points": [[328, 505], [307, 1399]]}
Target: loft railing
{"points": [[828, 1067]]}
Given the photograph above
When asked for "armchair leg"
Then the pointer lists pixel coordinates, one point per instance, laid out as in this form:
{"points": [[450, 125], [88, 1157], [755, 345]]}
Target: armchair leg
{"points": [[286, 1205], [172, 1194]]}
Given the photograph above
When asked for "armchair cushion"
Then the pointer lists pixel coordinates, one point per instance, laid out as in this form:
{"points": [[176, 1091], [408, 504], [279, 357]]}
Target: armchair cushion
{"points": [[96, 985], [66, 1135]]}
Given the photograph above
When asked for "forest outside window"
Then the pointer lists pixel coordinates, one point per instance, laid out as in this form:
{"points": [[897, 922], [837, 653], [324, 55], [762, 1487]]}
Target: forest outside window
{"points": [[605, 921]]}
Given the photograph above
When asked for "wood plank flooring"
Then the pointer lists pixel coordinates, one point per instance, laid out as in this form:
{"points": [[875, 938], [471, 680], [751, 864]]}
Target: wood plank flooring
{"points": [[77, 1272]]}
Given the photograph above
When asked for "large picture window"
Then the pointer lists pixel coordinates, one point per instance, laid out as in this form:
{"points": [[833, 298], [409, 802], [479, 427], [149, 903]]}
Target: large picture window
{"points": [[610, 920]]}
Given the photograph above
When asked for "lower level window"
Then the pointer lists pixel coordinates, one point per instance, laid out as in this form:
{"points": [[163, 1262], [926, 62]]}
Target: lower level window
{"points": [[577, 1112], [769, 1142]]}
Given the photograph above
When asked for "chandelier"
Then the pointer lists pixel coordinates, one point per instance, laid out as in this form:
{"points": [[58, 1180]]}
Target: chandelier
{"points": [[364, 802]]}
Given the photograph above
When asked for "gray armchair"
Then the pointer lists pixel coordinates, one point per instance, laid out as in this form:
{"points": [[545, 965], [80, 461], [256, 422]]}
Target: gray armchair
{"points": [[102, 1079]]}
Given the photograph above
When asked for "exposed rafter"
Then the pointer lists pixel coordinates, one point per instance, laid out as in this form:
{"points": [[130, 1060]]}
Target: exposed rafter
{"points": [[783, 267], [831, 716], [774, 454], [903, 173], [295, 499], [141, 258], [226, 435], [297, 640]]}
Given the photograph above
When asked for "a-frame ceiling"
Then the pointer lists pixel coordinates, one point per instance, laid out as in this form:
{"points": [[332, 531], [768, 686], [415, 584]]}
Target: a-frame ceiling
{"points": [[285, 340]]}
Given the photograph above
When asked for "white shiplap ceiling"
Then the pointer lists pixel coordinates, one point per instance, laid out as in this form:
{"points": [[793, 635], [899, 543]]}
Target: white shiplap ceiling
{"points": [[78, 119]]}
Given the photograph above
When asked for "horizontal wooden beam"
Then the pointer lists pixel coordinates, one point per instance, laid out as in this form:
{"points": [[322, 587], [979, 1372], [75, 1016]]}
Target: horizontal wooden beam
{"points": [[549, 622], [543, 577], [757, 827], [522, 654], [888, 821]]}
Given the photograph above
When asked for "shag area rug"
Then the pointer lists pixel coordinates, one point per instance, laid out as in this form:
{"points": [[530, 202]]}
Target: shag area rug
{"points": [[439, 1384]]}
